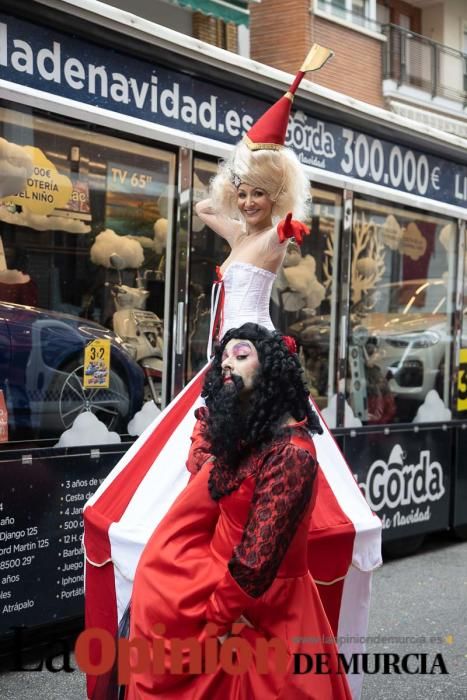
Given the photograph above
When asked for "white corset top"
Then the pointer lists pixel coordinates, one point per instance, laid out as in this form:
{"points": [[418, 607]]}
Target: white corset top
{"points": [[247, 290]]}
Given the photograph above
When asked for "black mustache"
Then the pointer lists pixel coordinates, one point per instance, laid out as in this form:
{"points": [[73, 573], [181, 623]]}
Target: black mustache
{"points": [[238, 381]]}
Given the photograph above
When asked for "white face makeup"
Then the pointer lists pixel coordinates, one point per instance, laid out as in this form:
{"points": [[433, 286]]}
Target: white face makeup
{"points": [[255, 205], [241, 359]]}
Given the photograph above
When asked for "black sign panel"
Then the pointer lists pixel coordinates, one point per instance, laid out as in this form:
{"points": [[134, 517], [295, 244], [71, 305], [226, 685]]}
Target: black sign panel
{"points": [[41, 557], [460, 495], [405, 476]]}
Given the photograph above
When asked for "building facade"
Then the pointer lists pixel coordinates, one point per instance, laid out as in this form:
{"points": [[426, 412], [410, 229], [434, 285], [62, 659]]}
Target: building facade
{"points": [[407, 57], [121, 122]]}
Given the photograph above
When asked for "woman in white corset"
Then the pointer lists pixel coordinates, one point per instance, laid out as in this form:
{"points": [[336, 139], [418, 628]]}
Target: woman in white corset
{"points": [[254, 190]]}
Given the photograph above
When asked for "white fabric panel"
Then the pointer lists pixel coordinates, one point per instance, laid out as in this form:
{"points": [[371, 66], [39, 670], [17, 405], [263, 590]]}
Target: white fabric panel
{"points": [[353, 621], [367, 545], [137, 445]]}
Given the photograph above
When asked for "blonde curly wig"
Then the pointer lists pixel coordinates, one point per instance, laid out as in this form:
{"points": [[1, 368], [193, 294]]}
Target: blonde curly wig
{"points": [[279, 173]]}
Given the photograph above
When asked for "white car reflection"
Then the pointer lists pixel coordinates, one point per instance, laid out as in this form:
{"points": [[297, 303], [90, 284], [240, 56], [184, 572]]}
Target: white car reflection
{"points": [[402, 328], [411, 336]]}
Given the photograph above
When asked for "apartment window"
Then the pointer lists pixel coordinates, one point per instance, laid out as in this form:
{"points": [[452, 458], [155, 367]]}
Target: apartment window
{"points": [[359, 7], [403, 14], [215, 31], [404, 21], [361, 12], [383, 14], [336, 7]]}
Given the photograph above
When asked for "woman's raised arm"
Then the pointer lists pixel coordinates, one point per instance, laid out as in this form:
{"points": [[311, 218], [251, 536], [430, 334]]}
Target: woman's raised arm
{"points": [[222, 225]]}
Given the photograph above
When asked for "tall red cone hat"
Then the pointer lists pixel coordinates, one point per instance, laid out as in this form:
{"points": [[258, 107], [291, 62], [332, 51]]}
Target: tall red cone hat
{"points": [[271, 128]]}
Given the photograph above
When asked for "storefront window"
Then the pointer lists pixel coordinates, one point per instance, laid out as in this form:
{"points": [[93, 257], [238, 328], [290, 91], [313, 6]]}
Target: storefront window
{"points": [[461, 404], [400, 339], [464, 294], [206, 251], [304, 295], [84, 240]]}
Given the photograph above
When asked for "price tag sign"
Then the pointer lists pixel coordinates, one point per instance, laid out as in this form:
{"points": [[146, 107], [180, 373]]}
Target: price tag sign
{"points": [[462, 381], [97, 365]]}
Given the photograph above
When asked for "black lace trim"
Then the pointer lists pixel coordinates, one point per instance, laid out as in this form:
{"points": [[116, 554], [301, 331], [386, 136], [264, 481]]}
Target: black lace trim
{"points": [[282, 494], [223, 481]]}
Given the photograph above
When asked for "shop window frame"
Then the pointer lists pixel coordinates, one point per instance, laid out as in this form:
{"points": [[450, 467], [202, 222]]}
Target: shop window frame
{"points": [[118, 133]]}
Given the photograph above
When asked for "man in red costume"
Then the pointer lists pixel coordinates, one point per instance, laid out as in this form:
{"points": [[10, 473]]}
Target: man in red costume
{"points": [[344, 539], [233, 547]]}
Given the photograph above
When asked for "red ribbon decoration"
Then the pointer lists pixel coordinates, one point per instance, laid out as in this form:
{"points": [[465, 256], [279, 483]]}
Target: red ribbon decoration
{"points": [[290, 343]]}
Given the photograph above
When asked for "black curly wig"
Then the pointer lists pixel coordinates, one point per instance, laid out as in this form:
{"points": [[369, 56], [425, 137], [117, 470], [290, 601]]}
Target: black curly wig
{"points": [[279, 391]]}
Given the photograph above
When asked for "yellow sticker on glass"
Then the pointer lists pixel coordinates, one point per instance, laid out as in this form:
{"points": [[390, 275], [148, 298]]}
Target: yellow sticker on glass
{"points": [[97, 365], [462, 381]]}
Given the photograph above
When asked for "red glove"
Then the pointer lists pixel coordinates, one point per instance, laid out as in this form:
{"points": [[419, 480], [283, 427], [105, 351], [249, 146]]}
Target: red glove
{"points": [[291, 228]]}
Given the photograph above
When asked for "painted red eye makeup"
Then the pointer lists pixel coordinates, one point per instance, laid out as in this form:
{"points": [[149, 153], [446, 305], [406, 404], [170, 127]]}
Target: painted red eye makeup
{"points": [[241, 349], [238, 349]]}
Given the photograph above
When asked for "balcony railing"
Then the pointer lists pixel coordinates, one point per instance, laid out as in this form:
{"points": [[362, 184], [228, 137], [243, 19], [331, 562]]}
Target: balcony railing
{"points": [[415, 60]]}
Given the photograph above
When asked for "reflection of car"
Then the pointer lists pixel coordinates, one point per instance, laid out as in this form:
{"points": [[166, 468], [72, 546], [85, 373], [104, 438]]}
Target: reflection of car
{"points": [[41, 373], [404, 331], [408, 326]]}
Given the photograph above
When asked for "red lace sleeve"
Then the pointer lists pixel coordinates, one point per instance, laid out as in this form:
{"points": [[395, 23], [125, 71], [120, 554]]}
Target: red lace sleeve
{"points": [[283, 491], [282, 494], [200, 450]]}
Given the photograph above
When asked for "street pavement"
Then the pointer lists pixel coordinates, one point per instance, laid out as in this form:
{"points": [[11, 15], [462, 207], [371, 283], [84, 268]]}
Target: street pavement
{"points": [[423, 596], [419, 606]]}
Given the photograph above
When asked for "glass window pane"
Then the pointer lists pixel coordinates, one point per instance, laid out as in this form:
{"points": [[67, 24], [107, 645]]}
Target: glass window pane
{"points": [[338, 8], [86, 236], [400, 343], [359, 7], [383, 14], [461, 404], [464, 314], [206, 251], [304, 295], [404, 21], [335, 7]]}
